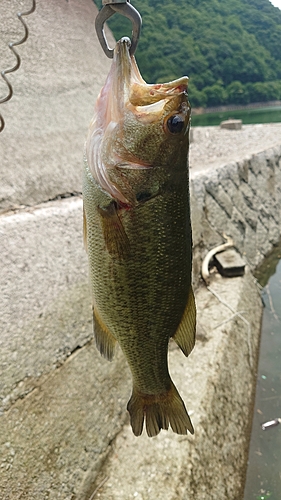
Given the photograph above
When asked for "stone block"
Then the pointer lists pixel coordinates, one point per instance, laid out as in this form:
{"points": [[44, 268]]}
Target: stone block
{"points": [[231, 124], [229, 173], [243, 168], [216, 216], [220, 196], [230, 263], [257, 163]]}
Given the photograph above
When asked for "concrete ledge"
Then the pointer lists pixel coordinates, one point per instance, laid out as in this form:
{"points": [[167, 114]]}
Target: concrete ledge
{"points": [[241, 199], [54, 441], [45, 310], [59, 434], [210, 465], [62, 404]]}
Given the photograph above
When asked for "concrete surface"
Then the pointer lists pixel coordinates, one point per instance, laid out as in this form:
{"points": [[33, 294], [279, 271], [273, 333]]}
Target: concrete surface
{"points": [[209, 465], [62, 70], [45, 298], [241, 199], [214, 148], [54, 441]]}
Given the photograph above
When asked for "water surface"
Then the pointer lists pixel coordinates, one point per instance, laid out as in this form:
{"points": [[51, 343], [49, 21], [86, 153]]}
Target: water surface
{"points": [[264, 468], [248, 116]]}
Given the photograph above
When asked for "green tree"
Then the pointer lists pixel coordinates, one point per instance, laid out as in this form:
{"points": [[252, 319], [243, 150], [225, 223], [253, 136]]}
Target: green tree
{"points": [[225, 47]]}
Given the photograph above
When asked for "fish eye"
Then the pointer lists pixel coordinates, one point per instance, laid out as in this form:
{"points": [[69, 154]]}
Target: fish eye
{"points": [[175, 124]]}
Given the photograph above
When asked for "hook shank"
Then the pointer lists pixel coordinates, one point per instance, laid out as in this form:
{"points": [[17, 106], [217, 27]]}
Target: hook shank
{"points": [[125, 9]]}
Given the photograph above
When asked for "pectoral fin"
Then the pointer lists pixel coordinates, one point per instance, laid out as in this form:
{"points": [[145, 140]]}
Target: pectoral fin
{"points": [[116, 240], [105, 341], [185, 334]]}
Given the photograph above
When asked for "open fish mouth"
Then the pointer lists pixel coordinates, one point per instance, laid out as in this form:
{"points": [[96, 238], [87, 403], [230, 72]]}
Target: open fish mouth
{"points": [[126, 102]]}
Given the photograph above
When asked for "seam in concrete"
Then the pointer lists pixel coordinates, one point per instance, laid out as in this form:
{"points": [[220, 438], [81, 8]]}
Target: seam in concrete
{"points": [[31, 208], [21, 388]]}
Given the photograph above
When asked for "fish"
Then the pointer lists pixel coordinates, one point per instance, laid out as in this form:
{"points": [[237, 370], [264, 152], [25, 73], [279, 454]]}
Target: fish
{"points": [[137, 232]]}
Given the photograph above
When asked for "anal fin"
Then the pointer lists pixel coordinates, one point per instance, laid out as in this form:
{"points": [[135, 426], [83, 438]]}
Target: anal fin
{"points": [[185, 334], [105, 341]]}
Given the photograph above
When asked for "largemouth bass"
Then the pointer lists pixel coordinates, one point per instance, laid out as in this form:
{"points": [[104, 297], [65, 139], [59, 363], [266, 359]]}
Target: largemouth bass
{"points": [[138, 234]]}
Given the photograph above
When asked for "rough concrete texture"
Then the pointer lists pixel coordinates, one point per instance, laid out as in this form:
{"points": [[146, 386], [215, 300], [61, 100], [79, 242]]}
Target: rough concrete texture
{"points": [[241, 199], [55, 440], [208, 465], [45, 299], [214, 147], [62, 404], [62, 70]]}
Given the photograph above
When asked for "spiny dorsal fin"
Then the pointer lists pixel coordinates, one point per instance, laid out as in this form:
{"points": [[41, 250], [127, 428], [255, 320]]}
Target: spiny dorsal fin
{"points": [[105, 341], [185, 334]]}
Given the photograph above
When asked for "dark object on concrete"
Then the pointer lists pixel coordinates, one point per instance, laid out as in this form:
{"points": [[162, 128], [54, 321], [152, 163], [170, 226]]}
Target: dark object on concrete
{"points": [[231, 124], [230, 263]]}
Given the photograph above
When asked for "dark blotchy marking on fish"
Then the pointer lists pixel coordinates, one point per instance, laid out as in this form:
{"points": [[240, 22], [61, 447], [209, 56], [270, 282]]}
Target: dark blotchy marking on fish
{"points": [[137, 233]]}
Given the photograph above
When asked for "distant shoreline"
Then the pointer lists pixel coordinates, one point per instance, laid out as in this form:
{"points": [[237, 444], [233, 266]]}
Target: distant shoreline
{"points": [[232, 107]]}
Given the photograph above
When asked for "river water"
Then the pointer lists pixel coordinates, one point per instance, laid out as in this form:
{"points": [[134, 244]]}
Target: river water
{"points": [[264, 466], [248, 116]]}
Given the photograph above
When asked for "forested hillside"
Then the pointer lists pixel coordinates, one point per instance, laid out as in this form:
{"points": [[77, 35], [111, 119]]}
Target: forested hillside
{"points": [[230, 49]]}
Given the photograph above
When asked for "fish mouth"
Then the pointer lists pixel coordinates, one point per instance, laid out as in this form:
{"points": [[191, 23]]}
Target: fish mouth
{"points": [[137, 95], [143, 94], [124, 94]]}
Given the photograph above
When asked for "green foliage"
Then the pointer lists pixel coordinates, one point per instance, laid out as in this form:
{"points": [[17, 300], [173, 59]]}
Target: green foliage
{"points": [[229, 49]]}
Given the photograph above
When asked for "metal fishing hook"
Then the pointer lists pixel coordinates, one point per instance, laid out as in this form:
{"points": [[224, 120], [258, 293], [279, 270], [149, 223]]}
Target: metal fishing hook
{"points": [[12, 46], [124, 8]]}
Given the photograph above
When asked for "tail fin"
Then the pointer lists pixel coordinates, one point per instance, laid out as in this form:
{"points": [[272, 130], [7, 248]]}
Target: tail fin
{"points": [[159, 411]]}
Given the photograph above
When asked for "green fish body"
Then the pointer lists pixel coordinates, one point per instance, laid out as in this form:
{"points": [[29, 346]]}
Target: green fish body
{"points": [[138, 235]]}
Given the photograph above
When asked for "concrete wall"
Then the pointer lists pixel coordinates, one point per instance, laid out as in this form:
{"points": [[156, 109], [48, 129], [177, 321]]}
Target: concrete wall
{"points": [[61, 404], [62, 70], [241, 199]]}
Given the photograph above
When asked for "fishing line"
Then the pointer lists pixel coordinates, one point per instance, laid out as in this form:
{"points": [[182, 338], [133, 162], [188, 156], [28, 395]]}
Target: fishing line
{"points": [[14, 68]]}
